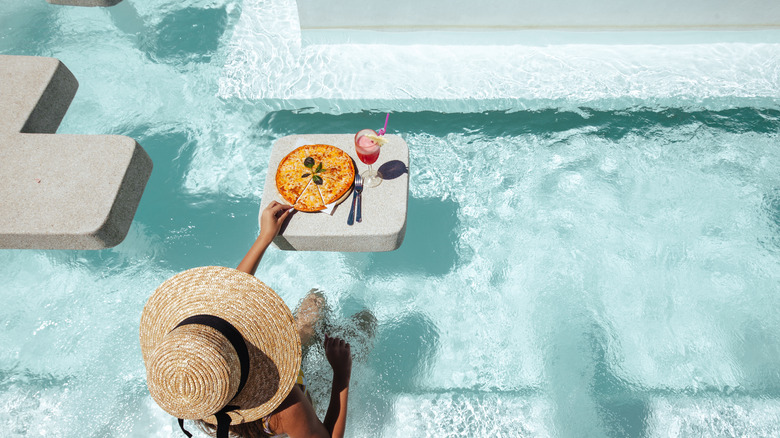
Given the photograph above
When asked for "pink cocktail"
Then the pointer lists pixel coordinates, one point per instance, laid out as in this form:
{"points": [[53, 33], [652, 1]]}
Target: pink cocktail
{"points": [[368, 149]]}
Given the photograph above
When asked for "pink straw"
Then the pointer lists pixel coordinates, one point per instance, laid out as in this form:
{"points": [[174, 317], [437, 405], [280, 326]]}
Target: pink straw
{"points": [[383, 130]]}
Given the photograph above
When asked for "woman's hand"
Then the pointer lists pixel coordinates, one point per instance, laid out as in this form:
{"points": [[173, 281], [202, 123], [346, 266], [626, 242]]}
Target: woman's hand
{"points": [[272, 219], [339, 356]]}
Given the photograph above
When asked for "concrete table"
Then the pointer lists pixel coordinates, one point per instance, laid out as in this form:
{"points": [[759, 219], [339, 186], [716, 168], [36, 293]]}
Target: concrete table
{"points": [[384, 207]]}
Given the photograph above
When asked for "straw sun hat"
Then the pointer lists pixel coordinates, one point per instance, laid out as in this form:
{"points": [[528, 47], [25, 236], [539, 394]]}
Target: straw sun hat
{"points": [[218, 345]]}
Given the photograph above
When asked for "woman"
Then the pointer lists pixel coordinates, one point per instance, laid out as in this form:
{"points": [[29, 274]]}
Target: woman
{"points": [[222, 348]]}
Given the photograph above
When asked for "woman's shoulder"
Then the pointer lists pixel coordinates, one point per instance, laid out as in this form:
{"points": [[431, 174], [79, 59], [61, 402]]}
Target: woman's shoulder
{"points": [[296, 417]]}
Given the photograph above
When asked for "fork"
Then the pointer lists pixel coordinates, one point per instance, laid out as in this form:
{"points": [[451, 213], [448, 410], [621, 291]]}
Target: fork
{"points": [[358, 189]]}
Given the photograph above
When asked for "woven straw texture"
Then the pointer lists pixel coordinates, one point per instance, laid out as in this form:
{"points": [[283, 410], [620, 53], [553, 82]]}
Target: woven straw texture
{"points": [[192, 371]]}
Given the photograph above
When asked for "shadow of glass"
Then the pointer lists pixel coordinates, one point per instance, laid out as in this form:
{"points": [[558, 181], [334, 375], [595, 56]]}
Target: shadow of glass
{"points": [[392, 169]]}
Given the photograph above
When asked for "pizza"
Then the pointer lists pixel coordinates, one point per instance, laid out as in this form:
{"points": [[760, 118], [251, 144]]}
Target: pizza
{"points": [[315, 175]]}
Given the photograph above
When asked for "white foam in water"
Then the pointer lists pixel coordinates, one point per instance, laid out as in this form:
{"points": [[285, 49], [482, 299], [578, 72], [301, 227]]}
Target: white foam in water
{"points": [[457, 415], [70, 339], [713, 416]]}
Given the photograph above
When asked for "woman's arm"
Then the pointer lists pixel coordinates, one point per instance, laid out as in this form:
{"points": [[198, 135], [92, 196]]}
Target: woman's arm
{"points": [[296, 416], [270, 222]]}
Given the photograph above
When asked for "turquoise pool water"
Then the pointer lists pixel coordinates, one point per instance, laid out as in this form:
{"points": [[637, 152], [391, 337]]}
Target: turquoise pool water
{"points": [[593, 241]]}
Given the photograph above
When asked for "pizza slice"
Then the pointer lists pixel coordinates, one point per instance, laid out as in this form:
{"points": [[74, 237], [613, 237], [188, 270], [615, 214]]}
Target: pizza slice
{"points": [[310, 199], [292, 178], [338, 178]]}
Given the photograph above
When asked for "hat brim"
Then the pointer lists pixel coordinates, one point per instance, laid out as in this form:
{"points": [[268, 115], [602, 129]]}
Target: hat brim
{"points": [[254, 309]]}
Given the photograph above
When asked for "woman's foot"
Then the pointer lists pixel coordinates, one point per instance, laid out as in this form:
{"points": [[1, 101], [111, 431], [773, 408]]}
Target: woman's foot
{"points": [[308, 314], [360, 331], [366, 322]]}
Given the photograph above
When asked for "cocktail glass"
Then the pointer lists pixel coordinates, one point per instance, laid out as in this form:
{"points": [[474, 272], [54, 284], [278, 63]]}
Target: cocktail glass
{"points": [[367, 149]]}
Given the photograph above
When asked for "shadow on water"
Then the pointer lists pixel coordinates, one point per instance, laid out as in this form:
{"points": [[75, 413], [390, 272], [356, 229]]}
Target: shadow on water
{"points": [[401, 356], [33, 33], [623, 411], [771, 210], [402, 351], [612, 125], [186, 34], [429, 246], [596, 401], [196, 231], [591, 399], [758, 352]]}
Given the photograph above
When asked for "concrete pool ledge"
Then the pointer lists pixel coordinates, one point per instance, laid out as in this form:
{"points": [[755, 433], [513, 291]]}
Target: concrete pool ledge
{"points": [[60, 191], [507, 15]]}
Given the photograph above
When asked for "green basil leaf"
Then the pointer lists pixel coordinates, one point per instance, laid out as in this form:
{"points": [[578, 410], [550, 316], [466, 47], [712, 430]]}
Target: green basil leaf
{"points": [[305, 175], [319, 168], [317, 180], [308, 162]]}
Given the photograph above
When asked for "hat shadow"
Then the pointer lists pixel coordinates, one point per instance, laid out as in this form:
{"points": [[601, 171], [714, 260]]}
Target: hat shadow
{"points": [[263, 381]]}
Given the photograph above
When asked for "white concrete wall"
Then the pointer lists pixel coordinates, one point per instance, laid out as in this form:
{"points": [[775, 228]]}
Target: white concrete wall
{"points": [[413, 15]]}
